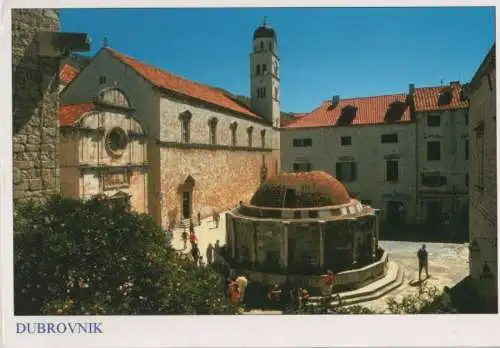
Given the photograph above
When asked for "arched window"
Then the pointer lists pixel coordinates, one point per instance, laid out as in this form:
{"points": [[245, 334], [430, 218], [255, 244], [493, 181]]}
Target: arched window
{"points": [[233, 128], [257, 70], [212, 125], [250, 136], [185, 119], [263, 138], [270, 46], [262, 45], [114, 96]]}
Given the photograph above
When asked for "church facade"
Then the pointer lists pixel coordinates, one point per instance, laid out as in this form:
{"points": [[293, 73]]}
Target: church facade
{"points": [[203, 149]]}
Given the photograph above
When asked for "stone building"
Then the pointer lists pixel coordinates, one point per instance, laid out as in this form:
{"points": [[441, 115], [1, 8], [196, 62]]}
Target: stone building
{"points": [[103, 150], [404, 153], [367, 143], [37, 50], [483, 182], [442, 142], [207, 149], [299, 225]]}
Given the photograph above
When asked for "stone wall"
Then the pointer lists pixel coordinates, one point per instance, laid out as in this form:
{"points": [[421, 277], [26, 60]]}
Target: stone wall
{"points": [[483, 193], [35, 107], [221, 178]]}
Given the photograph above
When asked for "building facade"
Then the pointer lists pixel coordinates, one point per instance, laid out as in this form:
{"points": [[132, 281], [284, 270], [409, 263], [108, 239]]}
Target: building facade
{"points": [[103, 150], [483, 182], [367, 143], [442, 142], [207, 150]]}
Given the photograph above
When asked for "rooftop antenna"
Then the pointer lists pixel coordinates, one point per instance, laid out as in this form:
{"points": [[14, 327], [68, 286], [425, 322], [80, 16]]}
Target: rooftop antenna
{"points": [[105, 42]]}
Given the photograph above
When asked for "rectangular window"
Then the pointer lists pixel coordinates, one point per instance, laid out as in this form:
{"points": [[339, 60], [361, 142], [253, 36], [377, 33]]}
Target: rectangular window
{"points": [[467, 179], [305, 142], [434, 151], [302, 167], [257, 71], [185, 131], [345, 171], [264, 69], [345, 141], [467, 149], [389, 138], [433, 179], [433, 120], [392, 173], [102, 80]]}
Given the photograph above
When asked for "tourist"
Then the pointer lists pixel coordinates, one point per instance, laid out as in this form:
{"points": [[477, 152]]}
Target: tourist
{"points": [[329, 279], [242, 282], [210, 253], [304, 298], [200, 261], [274, 295], [214, 217], [193, 239], [287, 294], [184, 237], [195, 252], [199, 218], [423, 258], [216, 252], [217, 219], [234, 293]]}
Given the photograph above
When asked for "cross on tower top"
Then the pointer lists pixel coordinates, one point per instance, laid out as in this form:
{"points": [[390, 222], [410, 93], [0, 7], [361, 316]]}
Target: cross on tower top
{"points": [[105, 42], [264, 21]]}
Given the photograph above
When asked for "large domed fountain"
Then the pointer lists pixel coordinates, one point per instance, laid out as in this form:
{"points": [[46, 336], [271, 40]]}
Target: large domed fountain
{"points": [[298, 226]]}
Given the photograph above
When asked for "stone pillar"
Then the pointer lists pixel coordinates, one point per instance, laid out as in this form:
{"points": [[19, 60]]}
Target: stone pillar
{"points": [[254, 246], [284, 254], [321, 243], [354, 232]]}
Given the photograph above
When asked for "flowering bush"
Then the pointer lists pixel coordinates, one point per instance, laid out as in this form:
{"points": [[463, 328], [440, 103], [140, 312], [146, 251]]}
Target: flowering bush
{"points": [[98, 257]]}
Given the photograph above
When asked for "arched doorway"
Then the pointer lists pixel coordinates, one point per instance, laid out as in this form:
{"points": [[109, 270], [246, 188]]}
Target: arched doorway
{"points": [[186, 195]]}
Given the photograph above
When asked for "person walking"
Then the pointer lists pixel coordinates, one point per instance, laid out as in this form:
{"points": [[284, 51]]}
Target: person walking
{"points": [[184, 237], [199, 218], [423, 258], [242, 282], [209, 253], [193, 239], [170, 236], [329, 279]]}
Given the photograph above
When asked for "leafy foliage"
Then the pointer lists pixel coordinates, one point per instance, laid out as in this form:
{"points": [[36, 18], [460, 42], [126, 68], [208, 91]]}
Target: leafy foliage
{"points": [[427, 301], [98, 257]]}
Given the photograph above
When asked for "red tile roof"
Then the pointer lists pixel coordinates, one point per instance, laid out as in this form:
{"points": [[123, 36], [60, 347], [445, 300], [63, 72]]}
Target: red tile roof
{"points": [[163, 79], [370, 110], [427, 99], [70, 114], [325, 190], [68, 73]]}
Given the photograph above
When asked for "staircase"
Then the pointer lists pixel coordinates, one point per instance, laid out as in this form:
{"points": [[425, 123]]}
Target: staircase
{"points": [[393, 280]]}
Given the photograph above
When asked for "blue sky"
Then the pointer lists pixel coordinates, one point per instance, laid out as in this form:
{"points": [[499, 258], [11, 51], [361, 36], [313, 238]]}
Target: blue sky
{"points": [[351, 52]]}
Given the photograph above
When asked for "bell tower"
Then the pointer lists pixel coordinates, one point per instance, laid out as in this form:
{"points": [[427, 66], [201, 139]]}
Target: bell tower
{"points": [[264, 74]]}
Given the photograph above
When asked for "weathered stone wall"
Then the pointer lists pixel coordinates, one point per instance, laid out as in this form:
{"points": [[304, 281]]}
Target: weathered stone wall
{"points": [[35, 107], [222, 178], [483, 195]]}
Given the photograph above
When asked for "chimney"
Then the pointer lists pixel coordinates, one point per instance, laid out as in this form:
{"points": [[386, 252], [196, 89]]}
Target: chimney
{"points": [[335, 100], [411, 88]]}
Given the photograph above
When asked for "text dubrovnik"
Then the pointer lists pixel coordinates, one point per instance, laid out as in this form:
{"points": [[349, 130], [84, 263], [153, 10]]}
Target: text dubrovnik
{"points": [[59, 328]]}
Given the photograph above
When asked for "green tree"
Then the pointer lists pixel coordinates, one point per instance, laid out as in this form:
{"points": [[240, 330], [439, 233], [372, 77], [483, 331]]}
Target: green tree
{"points": [[99, 257]]}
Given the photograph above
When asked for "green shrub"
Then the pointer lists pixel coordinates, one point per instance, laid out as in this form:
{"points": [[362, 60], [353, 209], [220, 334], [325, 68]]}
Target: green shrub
{"points": [[98, 257], [427, 301]]}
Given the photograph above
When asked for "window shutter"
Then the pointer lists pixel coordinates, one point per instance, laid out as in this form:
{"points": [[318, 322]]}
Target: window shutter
{"points": [[338, 171]]}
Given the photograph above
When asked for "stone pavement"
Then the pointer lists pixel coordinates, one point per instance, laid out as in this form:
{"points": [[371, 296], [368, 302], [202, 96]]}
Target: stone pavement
{"points": [[448, 265], [206, 233], [448, 262]]}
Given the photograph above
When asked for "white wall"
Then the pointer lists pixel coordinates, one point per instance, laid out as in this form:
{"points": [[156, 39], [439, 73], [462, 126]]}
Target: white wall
{"points": [[367, 151]]}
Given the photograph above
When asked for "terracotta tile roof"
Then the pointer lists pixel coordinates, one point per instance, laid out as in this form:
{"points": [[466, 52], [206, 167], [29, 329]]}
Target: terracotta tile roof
{"points": [[369, 110], [427, 98], [163, 79], [68, 73], [325, 190], [71, 113]]}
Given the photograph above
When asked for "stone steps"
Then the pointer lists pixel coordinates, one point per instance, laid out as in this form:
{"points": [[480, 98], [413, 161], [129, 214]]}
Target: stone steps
{"points": [[393, 280]]}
